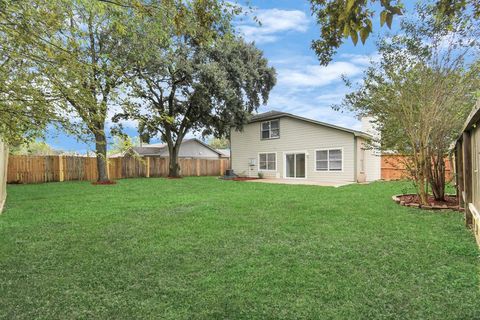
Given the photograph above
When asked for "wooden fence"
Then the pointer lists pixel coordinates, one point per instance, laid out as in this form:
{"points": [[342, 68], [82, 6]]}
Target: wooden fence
{"points": [[393, 168], [3, 174], [39, 169]]}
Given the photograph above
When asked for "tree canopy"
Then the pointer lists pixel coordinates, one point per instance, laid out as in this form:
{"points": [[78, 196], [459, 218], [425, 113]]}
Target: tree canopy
{"points": [[340, 20], [195, 87]]}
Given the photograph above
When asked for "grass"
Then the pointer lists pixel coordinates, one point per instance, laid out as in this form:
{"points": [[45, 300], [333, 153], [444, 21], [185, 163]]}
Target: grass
{"points": [[202, 248]]}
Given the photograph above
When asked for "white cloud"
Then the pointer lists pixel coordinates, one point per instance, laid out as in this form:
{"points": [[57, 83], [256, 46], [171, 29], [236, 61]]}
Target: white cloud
{"points": [[316, 75], [273, 22]]}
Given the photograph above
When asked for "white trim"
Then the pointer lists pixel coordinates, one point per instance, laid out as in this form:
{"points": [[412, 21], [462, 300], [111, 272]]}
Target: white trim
{"points": [[474, 210], [285, 163], [328, 159], [266, 170]]}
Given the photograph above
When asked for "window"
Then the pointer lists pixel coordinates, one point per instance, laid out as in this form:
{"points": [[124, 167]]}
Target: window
{"points": [[328, 160], [268, 161], [270, 129]]}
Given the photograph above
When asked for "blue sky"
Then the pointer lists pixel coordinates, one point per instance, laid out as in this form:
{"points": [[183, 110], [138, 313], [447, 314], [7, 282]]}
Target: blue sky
{"points": [[303, 86]]}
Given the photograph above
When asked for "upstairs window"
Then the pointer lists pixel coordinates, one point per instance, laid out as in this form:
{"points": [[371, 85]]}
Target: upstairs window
{"points": [[270, 129], [329, 160]]}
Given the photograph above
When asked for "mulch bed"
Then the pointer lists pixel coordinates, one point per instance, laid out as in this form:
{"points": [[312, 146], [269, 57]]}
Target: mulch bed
{"points": [[413, 200], [239, 179], [104, 183]]}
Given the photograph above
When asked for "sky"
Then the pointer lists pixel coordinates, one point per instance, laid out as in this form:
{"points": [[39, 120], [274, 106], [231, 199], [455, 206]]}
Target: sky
{"points": [[303, 86]]}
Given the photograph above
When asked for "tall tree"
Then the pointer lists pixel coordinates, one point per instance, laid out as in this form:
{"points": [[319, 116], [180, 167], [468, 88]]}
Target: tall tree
{"points": [[343, 19], [194, 86], [420, 93], [24, 108]]}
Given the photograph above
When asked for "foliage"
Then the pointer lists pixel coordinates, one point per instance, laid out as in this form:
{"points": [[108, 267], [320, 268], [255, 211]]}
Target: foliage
{"points": [[79, 49], [195, 87], [219, 143], [95, 251], [352, 19], [24, 108], [420, 93], [34, 148], [123, 143]]}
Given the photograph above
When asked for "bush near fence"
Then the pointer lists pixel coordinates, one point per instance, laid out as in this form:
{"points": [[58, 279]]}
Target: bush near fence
{"points": [[40, 169], [393, 168]]}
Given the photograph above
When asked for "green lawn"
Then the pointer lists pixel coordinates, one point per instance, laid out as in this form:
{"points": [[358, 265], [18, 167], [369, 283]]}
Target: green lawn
{"points": [[204, 248]]}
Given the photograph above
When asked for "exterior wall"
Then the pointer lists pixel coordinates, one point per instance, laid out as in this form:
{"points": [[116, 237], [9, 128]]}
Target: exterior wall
{"points": [[193, 149], [3, 174], [295, 135]]}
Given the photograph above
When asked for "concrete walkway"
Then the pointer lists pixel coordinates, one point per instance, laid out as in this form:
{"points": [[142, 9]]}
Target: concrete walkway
{"points": [[301, 182]]}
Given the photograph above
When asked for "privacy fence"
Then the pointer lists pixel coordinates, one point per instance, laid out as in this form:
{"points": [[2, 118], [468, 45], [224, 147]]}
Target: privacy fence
{"points": [[3, 174], [39, 169], [394, 167]]}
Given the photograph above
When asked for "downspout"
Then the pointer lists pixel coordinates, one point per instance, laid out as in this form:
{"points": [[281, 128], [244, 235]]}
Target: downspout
{"points": [[355, 176]]}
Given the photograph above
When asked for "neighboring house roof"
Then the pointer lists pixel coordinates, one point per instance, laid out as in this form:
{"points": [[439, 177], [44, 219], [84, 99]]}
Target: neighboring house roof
{"points": [[270, 115], [225, 152], [156, 149]]}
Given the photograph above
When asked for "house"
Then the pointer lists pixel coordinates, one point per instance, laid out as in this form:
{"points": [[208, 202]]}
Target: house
{"points": [[281, 145], [467, 160], [190, 148]]}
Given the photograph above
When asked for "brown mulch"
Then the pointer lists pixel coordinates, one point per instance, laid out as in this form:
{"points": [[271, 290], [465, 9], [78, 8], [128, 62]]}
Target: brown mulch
{"points": [[243, 179], [450, 201], [104, 183]]}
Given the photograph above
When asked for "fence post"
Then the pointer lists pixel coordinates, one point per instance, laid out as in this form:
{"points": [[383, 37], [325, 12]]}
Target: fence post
{"points": [[221, 166], [61, 173], [148, 168], [197, 167]]}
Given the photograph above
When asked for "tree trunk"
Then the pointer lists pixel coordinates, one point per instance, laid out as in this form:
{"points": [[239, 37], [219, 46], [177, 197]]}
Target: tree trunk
{"points": [[173, 166], [101, 151], [437, 177]]}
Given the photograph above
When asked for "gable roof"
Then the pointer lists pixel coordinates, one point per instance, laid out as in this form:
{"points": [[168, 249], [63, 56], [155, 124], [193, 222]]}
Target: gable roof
{"points": [[157, 148], [270, 115]]}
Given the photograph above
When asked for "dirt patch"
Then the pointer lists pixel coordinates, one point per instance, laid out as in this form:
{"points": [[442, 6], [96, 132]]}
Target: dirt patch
{"points": [[413, 200], [104, 183]]}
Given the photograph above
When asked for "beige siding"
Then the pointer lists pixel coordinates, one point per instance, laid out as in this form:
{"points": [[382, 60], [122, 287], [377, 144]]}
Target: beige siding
{"points": [[295, 135], [3, 174], [193, 149], [368, 162]]}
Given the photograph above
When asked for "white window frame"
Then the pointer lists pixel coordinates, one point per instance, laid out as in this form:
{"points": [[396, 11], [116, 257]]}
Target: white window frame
{"points": [[285, 153], [269, 130], [267, 170], [328, 159]]}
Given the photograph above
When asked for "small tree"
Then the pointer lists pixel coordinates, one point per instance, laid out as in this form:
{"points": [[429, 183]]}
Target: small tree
{"points": [[420, 93]]}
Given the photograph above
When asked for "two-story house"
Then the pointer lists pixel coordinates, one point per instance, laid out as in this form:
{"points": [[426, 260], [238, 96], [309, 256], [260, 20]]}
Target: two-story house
{"points": [[285, 146]]}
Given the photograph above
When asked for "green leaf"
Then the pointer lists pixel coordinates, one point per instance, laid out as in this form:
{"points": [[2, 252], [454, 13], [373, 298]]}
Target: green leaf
{"points": [[389, 20], [354, 36], [364, 32], [346, 30], [383, 17], [350, 4]]}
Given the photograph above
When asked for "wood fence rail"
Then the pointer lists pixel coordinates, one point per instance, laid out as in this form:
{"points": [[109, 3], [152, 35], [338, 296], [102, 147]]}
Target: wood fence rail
{"points": [[40, 169], [393, 167]]}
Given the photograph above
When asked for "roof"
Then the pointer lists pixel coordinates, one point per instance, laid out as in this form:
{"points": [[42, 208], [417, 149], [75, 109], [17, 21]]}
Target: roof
{"points": [[157, 148], [225, 152], [472, 119], [270, 115]]}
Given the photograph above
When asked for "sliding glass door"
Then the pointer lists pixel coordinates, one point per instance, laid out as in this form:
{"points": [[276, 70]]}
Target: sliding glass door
{"points": [[295, 165]]}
